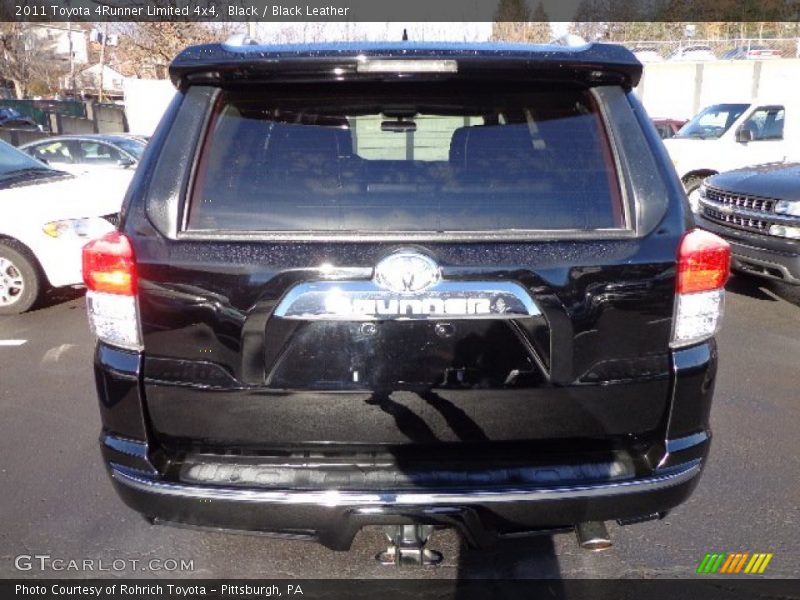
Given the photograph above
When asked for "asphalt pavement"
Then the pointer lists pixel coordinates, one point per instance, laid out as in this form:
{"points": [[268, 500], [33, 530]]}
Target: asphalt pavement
{"points": [[55, 499]]}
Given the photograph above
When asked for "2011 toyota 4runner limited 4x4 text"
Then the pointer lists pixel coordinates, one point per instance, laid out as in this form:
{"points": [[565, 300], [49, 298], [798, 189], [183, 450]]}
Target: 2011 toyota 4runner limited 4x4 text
{"points": [[405, 285]]}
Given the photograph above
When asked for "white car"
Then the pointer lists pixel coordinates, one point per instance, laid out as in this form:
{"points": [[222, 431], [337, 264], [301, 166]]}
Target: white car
{"points": [[693, 53], [90, 153], [46, 217], [723, 137], [647, 54]]}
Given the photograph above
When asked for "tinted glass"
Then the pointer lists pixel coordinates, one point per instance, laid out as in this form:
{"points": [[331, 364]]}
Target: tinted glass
{"points": [[55, 153], [415, 159], [712, 122], [131, 146], [98, 153], [13, 161], [766, 123]]}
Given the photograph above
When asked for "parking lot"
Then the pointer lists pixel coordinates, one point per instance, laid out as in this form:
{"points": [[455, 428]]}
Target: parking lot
{"points": [[55, 498]]}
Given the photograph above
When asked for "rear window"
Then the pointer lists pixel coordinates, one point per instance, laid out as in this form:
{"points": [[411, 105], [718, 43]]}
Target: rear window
{"points": [[416, 159]]}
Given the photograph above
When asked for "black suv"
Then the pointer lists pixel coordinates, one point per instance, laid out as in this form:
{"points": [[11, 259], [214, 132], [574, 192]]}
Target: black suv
{"points": [[405, 285]]}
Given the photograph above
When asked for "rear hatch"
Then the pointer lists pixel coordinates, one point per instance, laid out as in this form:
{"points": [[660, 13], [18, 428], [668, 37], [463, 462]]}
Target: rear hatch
{"points": [[407, 265]]}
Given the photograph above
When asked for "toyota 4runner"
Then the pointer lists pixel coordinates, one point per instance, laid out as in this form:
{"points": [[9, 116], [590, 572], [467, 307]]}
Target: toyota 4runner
{"points": [[405, 285]]}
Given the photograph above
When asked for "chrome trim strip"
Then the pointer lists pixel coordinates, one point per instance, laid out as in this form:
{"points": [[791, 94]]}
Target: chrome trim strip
{"points": [[730, 194], [335, 498], [682, 443], [125, 446], [478, 236], [354, 301]]}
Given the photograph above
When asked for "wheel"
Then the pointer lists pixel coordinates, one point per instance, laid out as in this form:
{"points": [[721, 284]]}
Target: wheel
{"points": [[20, 281], [692, 187]]}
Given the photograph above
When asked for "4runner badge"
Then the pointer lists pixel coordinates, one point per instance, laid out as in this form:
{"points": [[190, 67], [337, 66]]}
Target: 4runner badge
{"points": [[406, 286]]}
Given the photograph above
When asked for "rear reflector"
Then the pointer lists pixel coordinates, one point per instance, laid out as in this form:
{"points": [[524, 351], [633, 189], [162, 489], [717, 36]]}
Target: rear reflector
{"points": [[703, 269], [697, 316], [109, 270], [108, 265], [114, 320]]}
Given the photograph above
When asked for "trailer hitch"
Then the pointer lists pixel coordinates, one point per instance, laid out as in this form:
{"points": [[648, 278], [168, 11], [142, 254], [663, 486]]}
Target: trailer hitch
{"points": [[407, 546]]}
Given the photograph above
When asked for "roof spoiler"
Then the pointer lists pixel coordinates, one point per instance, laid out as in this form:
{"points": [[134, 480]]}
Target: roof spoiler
{"points": [[594, 64]]}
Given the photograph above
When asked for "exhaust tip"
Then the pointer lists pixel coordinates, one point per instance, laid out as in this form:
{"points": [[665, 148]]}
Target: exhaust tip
{"points": [[593, 535]]}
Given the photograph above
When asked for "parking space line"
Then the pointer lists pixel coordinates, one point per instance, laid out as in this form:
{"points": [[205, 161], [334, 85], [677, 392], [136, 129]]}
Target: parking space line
{"points": [[12, 342]]}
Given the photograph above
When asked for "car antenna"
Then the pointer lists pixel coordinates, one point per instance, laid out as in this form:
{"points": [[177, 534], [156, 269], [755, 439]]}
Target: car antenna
{"points": [[405, 35]]}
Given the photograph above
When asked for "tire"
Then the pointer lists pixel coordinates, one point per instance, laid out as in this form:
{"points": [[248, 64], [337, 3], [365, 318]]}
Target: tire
{"points": [[690, 185], [20, 279]]}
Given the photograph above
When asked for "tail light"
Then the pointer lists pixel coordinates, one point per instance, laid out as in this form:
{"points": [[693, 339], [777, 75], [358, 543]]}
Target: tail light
{"points": [[703, 268], [109, 271]]}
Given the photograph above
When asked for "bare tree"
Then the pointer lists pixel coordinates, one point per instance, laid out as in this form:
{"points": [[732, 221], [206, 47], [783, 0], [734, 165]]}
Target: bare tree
{"points": [[27, 60], [588, 22], [539, 30], [146, 49], [511, 21]]}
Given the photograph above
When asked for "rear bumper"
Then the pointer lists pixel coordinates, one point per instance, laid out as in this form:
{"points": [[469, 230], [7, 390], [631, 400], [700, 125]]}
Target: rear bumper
{"points": [[760, 255], [482, 506], [332, 518], [765, 263]]}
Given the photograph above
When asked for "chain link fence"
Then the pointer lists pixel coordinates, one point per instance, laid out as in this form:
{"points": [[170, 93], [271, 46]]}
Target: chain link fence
{"points": [[728, 49]]}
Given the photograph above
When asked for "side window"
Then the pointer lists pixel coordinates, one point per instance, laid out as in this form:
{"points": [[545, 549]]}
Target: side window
{"points": [[97, 153], [54, 153], [766, 123]]}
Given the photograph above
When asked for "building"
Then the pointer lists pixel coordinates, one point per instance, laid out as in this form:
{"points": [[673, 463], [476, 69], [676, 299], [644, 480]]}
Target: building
{"points": [[89, 80], [55, 39]]}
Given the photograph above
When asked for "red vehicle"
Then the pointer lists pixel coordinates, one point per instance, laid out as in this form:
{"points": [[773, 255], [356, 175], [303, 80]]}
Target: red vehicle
{"points": [[668, 127]]}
